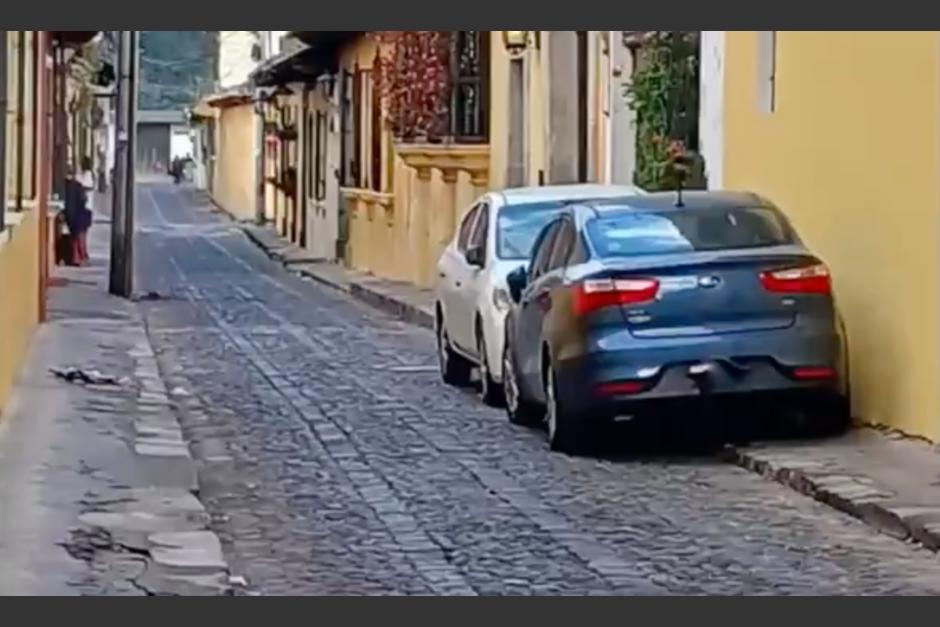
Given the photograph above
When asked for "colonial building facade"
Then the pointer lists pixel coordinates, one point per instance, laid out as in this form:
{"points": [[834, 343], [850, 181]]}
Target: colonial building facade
{"points": [[34, 96]]}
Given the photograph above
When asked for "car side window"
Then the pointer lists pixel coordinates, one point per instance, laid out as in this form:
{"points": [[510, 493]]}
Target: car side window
{"points": [[482, 228], [561, 249], [542, 252], [466, 228]]}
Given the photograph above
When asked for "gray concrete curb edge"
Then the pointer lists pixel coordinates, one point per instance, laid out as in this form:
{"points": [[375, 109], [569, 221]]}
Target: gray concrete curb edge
{"points": [[858, 498]]}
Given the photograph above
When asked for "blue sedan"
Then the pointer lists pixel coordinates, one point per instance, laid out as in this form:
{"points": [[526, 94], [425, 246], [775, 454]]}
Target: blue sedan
{"points": [[631, 302]]}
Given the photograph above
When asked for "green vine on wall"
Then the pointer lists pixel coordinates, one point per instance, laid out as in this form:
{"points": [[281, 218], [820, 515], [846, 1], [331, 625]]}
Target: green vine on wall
{"points": [[663, 94]]}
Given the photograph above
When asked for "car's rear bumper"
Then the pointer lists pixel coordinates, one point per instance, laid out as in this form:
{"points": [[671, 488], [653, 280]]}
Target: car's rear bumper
{"points": [[724, 368]]}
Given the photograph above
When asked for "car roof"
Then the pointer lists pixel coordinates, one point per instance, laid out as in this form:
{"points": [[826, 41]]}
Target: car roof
{"points": [[575, 192], [691, 200]]}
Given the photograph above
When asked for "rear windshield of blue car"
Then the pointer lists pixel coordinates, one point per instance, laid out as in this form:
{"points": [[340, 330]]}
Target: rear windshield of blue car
{"points": [[632, 233], [518, 225]]}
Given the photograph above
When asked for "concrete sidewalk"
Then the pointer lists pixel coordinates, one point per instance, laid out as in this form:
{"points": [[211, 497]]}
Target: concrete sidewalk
{"points": [[889, 481], [400, 299], [97, 485]]}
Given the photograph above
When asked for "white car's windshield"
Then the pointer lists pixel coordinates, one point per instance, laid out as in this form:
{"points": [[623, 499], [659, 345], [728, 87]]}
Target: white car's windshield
{"points": [[518, 225]]}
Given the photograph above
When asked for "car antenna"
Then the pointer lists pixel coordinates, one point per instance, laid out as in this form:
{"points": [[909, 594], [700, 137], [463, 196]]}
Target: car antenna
{"points": [[680, 168]]}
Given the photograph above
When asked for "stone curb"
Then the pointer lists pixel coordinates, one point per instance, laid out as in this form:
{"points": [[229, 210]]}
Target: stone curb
{"points": [[369, 294], [403, 310], [860, 497]]}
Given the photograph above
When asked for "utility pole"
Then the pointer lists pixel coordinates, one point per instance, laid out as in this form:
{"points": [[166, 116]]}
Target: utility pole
{"points": [[122, 193]]}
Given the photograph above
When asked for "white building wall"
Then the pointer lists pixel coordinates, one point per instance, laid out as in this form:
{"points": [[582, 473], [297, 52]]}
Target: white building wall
{"points": [[271, 42], [235, 56], [711, 103], [181, 143], [622, 126]]}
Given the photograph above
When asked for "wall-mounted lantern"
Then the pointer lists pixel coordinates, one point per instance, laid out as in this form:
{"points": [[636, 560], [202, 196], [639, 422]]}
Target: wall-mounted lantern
{"points": [[516, 42]]}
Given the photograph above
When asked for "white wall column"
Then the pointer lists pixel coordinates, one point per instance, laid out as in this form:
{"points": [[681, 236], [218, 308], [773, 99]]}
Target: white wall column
{"points": [[711, 103]]}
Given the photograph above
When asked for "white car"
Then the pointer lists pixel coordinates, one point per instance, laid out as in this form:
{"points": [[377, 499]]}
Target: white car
{"points": [[494, 238]]}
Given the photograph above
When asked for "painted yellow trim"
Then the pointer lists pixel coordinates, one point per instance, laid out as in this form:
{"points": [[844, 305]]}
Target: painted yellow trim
{"points": [[472, 158]]}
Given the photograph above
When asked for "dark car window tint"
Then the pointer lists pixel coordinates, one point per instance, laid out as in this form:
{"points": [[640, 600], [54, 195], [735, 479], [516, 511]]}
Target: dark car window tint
{"points": [[543, 251], [518, 225], [630, 233], [562, 247], [482, 227], [466, 228]]}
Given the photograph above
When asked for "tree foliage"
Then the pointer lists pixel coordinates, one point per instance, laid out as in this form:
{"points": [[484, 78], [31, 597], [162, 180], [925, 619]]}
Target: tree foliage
{"points": [[176, 67], [412, 72], [664, 95]]}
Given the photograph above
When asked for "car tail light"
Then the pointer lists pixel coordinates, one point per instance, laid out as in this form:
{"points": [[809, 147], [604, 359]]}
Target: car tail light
{"points": [[618, 388], [813, 279], [813, 373], [595, 294]]}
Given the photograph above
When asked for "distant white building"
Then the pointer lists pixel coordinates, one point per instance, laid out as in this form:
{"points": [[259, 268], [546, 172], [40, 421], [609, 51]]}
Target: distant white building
{"points": [[240, 51]]}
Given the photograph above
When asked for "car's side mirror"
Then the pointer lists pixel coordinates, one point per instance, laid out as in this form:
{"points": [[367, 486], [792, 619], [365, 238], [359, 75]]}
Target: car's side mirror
{"points": [[516, 282], [476, 256]]}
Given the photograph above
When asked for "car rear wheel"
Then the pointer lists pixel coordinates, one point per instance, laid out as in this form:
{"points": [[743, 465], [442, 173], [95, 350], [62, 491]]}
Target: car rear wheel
{"points": [[490, 391], [519, 411], [568, 431], [455, 370]]}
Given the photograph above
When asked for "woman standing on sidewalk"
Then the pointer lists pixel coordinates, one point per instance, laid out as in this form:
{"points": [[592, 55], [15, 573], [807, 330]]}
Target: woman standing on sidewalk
{"points": [[78, 218], [87, 179]]}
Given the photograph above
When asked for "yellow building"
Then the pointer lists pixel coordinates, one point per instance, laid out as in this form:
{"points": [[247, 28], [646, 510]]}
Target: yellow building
{"points": [[234, 128], [26, 61], [842, 131]]}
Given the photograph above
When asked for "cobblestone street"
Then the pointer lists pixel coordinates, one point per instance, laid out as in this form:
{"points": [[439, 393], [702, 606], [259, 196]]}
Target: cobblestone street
{"points": [[333, 460]]}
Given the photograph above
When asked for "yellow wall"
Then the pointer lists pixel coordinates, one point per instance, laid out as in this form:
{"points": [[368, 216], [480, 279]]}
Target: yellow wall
{"points": [[499, 110], [400, 232], [851, 155], [537, 133], [19, 305], [234, 187]]}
